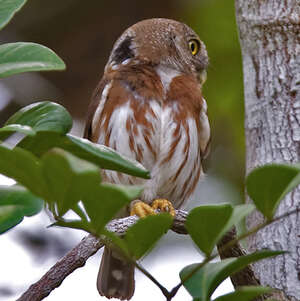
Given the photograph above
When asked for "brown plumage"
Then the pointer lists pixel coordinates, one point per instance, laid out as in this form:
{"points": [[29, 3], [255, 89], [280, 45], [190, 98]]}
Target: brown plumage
{"points": [[149, 107]]}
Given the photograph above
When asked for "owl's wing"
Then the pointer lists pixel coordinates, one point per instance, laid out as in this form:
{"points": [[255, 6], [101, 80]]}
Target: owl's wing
{"points": [[120, 119], [93, 107]]}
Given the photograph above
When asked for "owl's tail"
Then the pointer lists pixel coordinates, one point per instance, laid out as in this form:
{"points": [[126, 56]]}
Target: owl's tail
{"points": [[115, 277]]}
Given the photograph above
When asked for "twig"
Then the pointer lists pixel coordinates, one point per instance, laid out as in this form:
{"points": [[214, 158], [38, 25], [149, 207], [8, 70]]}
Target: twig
{"points": [[78, 256], [147, 274]]}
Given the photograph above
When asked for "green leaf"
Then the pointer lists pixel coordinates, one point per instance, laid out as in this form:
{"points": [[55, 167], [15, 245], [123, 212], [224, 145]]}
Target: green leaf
{"points": [[37, 117], [213, 220], [205, 280], [24, 129], [244, 293], [23, 57], [267, 186], [106, 157], [15, 203], [142, 236], [106, 200], [7, 10], [68, 178], [74, 224], [102, 156], [23, 167], [239, 213], [216, 220]]}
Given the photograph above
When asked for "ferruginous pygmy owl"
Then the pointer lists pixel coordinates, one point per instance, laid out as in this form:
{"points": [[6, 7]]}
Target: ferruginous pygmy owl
{"points": [[149, 107]]}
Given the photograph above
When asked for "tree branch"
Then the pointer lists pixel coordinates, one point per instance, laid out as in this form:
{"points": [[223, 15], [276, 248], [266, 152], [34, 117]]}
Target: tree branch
{"points": [[245, 276], [89, 245], [73, 260], [78, 256]]}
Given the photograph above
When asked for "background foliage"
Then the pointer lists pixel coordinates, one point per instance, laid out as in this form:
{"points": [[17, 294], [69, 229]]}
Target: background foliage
{"points": [[214, 20]]}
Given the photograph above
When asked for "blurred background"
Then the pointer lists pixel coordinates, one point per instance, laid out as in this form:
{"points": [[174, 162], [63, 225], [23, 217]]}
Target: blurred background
{"points": [[82, 35]]}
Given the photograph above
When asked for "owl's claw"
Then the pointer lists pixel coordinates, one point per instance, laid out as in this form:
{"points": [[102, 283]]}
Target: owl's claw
{"points": [[164, 206], [141, 209]]}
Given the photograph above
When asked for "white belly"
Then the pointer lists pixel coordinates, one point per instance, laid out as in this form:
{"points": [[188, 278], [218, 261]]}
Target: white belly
{"points": [[173, 158]]}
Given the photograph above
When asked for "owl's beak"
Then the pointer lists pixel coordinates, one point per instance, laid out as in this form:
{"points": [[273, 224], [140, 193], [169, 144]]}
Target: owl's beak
{"points": [[202, 76]]}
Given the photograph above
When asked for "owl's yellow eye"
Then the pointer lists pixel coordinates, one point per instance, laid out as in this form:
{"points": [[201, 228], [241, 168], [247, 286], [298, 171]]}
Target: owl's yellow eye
{"points": [[194, 46]]}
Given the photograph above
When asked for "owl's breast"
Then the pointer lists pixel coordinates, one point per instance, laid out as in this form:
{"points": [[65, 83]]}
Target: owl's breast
{"points": [[178, 165], [163, 133]]}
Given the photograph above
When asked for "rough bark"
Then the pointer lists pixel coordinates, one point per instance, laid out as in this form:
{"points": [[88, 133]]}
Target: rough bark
{"points": [[270, 41]]}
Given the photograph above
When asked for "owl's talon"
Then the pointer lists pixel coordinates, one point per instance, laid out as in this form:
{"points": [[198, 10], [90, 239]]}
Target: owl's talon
{"points": [[163, 205], [141, 209]]}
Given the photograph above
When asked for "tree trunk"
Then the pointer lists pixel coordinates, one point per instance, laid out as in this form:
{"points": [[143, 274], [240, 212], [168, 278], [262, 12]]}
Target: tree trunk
{"points": [[270, 41]]}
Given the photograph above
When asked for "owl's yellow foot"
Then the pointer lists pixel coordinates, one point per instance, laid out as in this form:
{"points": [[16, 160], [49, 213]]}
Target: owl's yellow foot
{"points": [[141, 209], [163, 205]]}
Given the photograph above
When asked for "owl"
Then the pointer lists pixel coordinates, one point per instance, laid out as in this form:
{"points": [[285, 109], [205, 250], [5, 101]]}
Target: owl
{"points": [[149, 107]]}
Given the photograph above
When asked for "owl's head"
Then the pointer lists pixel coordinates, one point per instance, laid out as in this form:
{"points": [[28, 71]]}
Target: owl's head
{"points": [[161, 42]]}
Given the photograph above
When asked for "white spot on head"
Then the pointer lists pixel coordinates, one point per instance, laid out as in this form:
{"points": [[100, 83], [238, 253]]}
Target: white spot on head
{"points": [[114, 67], [117, 274], [126, 62]]}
